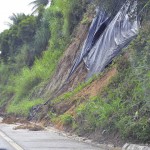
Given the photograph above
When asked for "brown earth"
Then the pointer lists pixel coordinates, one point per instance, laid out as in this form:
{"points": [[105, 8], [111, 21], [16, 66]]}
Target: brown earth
{"points": [[12, 119], [24, 123], [54, 87], [57, 85], [29, 126], [98, 85], [91, 90], [69, 106]]}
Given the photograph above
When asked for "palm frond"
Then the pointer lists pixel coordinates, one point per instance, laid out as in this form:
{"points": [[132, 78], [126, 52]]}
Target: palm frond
{"points": [[38, 3]]}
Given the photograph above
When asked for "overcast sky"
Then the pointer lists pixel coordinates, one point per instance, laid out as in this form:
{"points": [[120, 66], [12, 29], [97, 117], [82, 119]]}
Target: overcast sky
{"points": [[8, 7]]}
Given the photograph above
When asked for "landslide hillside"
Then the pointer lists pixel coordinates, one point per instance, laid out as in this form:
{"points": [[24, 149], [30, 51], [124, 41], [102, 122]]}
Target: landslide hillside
{"points": [[38, 53]]}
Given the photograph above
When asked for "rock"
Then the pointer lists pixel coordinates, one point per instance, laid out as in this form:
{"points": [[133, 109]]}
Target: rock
{"points": [[134, 147]]}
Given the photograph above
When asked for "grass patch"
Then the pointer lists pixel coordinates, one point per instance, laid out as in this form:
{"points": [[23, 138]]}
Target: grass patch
{"points": [[23, 107], [41, 71]]}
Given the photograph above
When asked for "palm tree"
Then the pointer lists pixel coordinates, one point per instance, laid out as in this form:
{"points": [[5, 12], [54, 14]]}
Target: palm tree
{"points": [[38, 4], [16, 18]]}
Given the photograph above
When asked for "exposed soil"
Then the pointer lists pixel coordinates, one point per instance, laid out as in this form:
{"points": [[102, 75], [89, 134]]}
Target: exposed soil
{"points": [[91, 90], [57, 84], [54, 86], [30, 127], [98, 85], [23, 123], [12, 119], [70, 105]]}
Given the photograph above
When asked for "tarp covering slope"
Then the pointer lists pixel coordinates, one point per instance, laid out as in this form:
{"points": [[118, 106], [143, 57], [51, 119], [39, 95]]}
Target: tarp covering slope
{"points": [[107, 36]]}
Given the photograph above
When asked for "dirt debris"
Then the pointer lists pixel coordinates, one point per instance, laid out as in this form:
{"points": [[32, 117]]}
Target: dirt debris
{"points": [[22, 123], [11, 119], [30, 127]]}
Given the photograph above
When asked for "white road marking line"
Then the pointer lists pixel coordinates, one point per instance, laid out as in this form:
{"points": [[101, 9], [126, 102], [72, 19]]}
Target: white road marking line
{"points": [[10, 141]]}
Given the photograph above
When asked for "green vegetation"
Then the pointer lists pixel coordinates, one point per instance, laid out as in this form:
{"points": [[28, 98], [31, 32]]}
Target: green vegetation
{"points": [[124, 105], [29, 78], [38, 5], [23, 107], [66, 119], [31, 50], [69, 95]]}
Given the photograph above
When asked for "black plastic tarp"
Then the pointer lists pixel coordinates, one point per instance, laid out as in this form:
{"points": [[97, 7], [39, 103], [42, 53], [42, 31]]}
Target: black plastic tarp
{"points": [[107, 36]]}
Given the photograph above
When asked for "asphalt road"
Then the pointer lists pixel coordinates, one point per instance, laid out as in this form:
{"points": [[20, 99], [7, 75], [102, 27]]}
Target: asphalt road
{"points": [[11, 139], [5, 145]]}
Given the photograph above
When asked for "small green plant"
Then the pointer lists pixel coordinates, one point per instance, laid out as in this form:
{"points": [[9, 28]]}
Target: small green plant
{"points": [[80, 109], [85, 20], [66, 119]]}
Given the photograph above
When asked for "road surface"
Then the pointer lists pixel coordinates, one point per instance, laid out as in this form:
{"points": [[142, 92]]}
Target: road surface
{"points": [[21, 139], [5, 145]]}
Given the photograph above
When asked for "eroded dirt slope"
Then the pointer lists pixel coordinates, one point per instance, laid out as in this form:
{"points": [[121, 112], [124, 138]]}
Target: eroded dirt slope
{"points": [[89, 91], [52, 89]]}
